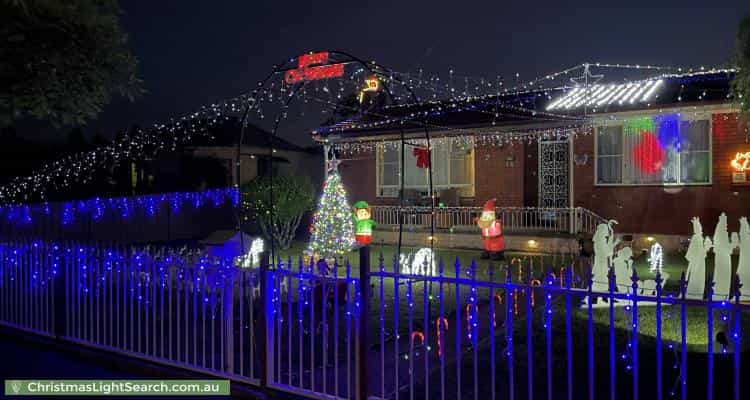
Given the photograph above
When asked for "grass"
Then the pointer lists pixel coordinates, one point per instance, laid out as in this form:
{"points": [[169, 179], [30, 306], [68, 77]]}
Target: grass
{"points": [[414, 310], [447, 255], [696, 324], [674, 264]]}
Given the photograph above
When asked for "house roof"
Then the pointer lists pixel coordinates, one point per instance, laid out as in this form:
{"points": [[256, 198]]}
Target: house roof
{"points": [[549, 107], [227, 132], [257, 137]]}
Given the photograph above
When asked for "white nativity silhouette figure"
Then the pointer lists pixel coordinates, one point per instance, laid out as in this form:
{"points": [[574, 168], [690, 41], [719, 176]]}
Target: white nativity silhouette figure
{"points": [[604, 247], [743, 268], [421, 263], [723, 247], [696, 258], [623, 266]]}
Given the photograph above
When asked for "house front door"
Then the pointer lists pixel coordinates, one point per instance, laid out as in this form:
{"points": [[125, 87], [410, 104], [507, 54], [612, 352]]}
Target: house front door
{"points": [[554, 173]]}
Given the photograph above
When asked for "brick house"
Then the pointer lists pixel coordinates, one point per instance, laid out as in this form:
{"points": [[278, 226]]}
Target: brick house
{"points": [[650, 154]]}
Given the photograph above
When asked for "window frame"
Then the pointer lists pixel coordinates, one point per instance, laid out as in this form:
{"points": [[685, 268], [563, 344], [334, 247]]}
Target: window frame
{"points": [[708, 117], [392, 190]]}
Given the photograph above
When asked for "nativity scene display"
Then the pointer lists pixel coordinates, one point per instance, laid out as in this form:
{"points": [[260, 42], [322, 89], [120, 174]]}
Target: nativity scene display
{"points": [[718, 284]]}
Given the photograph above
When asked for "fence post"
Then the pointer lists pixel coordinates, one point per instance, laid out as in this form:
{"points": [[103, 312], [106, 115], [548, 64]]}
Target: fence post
{"points": [[265, 321], [228, 308], [364, 311], [60, 299]]}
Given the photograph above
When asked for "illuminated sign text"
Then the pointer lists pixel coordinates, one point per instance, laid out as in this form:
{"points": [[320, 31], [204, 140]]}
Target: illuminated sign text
{"points": [[312, 67]]}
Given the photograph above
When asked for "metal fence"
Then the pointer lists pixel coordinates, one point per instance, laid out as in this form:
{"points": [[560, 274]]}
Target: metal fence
{"points": [[523, 329], [133, 219], [514, 219], [168, 305]]}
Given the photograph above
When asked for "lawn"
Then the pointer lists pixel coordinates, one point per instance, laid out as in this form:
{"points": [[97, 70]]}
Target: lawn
{"points": [[448, 256], [674, 265], [696, 324], [419, 307]]}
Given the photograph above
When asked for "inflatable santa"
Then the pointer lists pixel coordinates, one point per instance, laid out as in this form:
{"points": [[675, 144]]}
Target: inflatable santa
{"points": [[492, 233]]}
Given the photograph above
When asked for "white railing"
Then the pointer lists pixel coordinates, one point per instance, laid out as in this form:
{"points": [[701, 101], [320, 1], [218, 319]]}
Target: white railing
{"points": [[514, 219]]}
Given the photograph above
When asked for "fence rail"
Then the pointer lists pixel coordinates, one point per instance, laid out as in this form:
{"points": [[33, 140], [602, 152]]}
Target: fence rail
{"points": [[520, 330], [173, 306], [134, 219], [514, 219]]}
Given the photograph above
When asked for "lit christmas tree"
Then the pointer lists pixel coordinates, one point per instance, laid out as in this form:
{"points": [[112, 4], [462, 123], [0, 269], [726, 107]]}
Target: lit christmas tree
{"points": [[333, 225]]}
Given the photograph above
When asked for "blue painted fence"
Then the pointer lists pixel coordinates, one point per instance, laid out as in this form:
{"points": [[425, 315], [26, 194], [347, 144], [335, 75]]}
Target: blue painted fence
{"points": [[521, 330]]}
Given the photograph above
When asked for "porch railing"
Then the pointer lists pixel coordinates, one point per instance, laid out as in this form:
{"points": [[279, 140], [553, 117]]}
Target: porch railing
{"points": [[514, 219], [525, 329]]}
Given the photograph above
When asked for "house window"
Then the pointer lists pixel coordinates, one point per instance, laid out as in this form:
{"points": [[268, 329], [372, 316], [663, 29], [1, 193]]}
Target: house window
{"points": [[661, 150], [452, 167]]}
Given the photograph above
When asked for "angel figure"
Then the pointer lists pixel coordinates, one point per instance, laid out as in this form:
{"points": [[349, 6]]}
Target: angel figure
{"points": [[743, 267], [723, 248], [696, 257]]}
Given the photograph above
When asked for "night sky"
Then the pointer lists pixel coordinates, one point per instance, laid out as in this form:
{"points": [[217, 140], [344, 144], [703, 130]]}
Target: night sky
{"points": [[195, 52]]}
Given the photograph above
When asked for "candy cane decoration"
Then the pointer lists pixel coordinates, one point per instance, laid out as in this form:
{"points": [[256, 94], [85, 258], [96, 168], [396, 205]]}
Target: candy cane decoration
{"points": [[515, 302], [517, 260], [534, 282], [417, 334], [440, 322], [499, 299]]}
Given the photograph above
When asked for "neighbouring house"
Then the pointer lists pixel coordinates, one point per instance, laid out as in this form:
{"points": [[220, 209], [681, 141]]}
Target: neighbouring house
{"points": [[210, 161], [258, 157], [650, 154]]}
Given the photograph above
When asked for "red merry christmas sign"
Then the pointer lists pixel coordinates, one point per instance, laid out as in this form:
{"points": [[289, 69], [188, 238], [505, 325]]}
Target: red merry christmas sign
{"points": [[312, 67]]}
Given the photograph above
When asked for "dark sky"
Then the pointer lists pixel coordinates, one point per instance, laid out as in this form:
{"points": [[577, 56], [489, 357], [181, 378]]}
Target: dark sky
{"points": [[195, 52]]}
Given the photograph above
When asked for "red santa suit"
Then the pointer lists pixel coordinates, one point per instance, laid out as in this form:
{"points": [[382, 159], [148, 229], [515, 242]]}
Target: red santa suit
{"points": [[492, 236]]}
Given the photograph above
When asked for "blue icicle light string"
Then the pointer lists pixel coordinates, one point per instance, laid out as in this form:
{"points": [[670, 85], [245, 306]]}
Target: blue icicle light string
{"points": [[123, 207]]}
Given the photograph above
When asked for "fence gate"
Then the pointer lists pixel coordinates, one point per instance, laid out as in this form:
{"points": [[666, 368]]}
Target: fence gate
{"points": [[554, 173]]}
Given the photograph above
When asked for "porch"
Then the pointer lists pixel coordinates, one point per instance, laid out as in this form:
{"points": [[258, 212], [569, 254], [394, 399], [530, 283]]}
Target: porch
{"points": [[515, 220], [525, 228]]}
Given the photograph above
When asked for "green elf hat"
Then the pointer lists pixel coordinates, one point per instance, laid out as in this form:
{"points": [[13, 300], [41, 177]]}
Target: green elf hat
{"points": [[361, 204]]}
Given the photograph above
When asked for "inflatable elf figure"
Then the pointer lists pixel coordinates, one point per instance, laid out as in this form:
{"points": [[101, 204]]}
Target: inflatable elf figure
{"points": [[363, 223], [492, 233]]}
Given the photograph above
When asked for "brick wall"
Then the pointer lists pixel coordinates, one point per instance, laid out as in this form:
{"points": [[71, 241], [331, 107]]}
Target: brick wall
{"points": [[639, 209], [655, 209], [531, 175], [499, 172], [358, 175], [495, 175]]}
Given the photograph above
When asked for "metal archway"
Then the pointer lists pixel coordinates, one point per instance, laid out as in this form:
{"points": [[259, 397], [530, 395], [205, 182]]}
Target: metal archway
{"points": [[374, 69]]}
